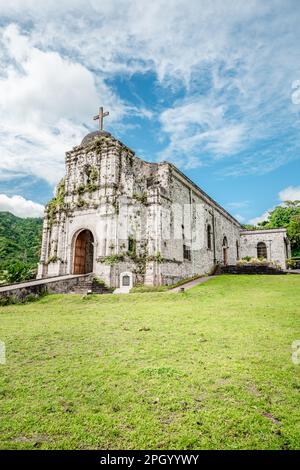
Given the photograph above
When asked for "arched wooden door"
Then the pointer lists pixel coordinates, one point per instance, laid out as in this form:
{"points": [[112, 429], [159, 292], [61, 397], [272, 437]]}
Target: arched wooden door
{"points": [[83, 253]]}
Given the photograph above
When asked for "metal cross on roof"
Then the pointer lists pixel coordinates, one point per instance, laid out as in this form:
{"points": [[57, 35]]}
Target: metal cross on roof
{"points": [[101, 116]]}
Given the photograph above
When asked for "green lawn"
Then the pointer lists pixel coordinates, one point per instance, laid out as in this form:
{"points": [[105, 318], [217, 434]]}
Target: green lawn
{"points": [[210, 368]]}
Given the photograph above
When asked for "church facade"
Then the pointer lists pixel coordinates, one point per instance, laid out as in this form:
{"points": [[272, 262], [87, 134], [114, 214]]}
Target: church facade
{"points": [[131, 222]]}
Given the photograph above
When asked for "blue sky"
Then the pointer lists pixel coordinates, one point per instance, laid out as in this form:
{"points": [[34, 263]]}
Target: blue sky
{"points": [[210, 85]]}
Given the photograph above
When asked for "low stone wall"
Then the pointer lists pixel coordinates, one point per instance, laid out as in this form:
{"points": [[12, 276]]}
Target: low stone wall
{"points": [[250, 269], [29, 290]]}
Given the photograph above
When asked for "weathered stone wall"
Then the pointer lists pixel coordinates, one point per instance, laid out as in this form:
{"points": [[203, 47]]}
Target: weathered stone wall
{"points": [[194, 211], [277, 244], [140, 215]]}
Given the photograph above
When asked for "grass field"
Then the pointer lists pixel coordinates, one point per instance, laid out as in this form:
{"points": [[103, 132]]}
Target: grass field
{"points": [[209, 368]]}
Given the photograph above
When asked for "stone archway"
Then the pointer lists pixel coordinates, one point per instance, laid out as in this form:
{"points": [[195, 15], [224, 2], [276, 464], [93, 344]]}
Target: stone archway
{"points": [[83, 253]]}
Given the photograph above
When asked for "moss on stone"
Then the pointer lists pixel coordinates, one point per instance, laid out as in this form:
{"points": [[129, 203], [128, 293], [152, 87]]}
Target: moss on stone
{"points": [[140, 197], [91, 184], [53, 259], [80, 203], [157, 257], [91, 187], [81, 189], [57, 203], [112, 259]]}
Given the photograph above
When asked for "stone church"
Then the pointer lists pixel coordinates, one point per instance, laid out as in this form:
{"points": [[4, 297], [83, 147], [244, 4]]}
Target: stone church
{"points": [[131, 222]]}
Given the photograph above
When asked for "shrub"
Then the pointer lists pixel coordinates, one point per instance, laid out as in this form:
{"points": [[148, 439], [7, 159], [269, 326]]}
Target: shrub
{"points": [[99, 281], [246, 258], [13, 299], [291, 263], [253, 261], [18, 272], [9, 300], [257, 262], [113, 259]]}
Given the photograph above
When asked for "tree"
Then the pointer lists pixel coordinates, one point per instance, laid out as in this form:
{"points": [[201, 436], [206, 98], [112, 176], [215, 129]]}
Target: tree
{"points": [[20, 240], [294, 234]]}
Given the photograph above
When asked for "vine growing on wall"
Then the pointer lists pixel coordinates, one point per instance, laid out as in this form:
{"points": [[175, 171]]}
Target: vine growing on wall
{"points": [[81, 203], [91, 185], [157, 257], [53, 259], [111, 259], [57, 203]]}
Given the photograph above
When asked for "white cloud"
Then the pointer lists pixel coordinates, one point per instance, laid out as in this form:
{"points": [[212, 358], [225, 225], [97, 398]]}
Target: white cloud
{"points": [[198, 129], [20, 207], [239, 217], [47, 87], [292, 193], [44, 102], [238, 204], [260, 218], [236, 91], [113, 35]]}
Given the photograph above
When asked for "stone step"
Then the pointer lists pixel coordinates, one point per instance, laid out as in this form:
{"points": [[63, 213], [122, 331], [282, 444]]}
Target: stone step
{"points": [[88, 285]]}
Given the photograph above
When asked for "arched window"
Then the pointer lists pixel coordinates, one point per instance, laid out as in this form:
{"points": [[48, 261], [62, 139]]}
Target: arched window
{"points": [[225, 242], [262, 250], [209, 237], [237, 250]]}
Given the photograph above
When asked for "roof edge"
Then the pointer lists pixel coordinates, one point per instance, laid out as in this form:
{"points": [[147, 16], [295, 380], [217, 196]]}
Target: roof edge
{"points": [[266, 230]]}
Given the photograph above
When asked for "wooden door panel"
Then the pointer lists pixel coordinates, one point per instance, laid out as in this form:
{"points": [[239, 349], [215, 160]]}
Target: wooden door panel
{"points": [[83, 253]]}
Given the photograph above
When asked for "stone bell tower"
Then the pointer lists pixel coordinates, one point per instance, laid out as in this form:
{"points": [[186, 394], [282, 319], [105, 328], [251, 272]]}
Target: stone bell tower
{"points": [[102, 218]]}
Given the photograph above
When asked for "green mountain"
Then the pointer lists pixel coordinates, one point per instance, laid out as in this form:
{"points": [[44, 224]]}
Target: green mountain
{"points": [[20, 240]]}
